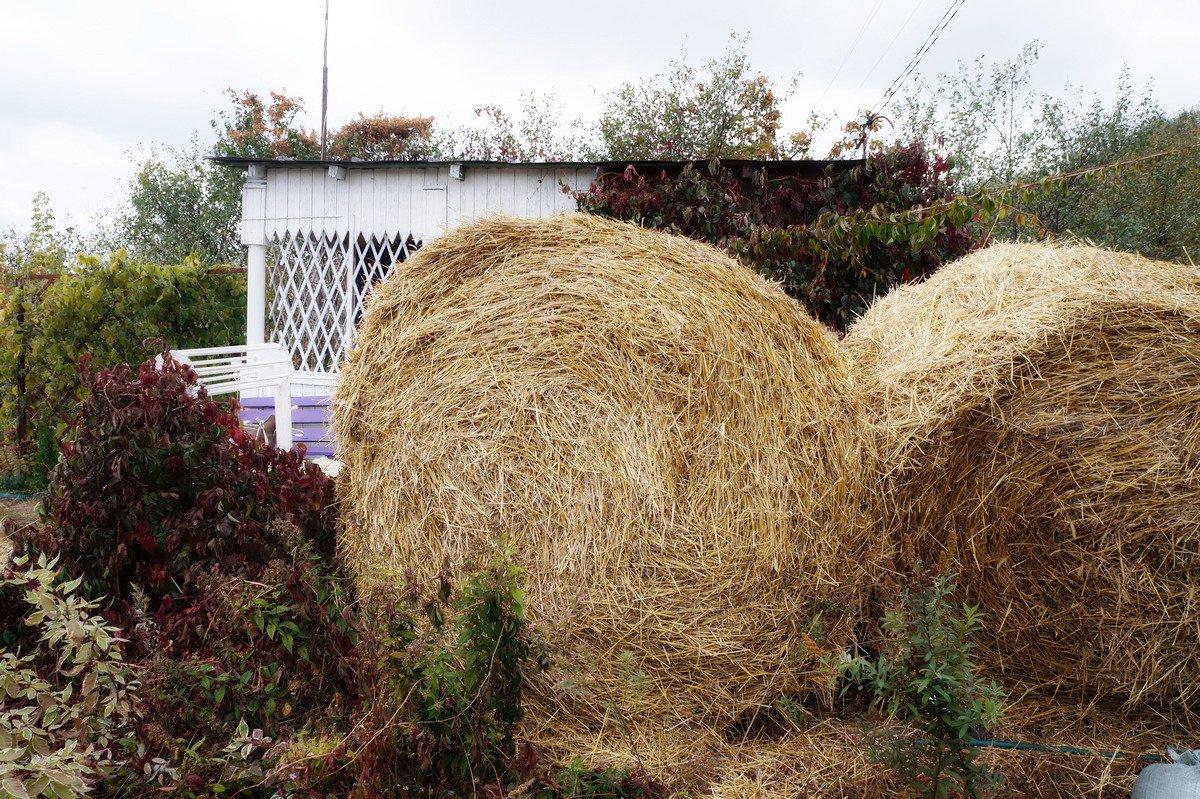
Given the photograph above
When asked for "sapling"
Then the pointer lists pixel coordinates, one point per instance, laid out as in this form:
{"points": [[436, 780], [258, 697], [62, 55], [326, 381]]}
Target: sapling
{"points": [[931, 680]]}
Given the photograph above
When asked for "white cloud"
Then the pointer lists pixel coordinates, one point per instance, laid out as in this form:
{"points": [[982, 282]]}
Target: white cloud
{"points": [[81, 168]]}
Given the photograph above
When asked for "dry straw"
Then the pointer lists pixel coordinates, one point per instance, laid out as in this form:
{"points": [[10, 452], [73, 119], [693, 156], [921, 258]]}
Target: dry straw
{"points": [[1038, 409], [816, 757], [668, 445], [826, 754]]}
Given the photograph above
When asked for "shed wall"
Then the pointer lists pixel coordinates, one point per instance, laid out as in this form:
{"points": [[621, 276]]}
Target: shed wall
{"points": [[421, 201]]}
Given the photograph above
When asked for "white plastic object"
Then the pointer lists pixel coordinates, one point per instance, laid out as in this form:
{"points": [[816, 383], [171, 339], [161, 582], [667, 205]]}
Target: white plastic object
{"points": [[1179, 779]]}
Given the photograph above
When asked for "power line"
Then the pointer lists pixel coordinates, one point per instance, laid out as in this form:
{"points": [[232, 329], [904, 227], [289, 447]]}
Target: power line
{"points": [[853, 45], [888, 48], [947, 17]]}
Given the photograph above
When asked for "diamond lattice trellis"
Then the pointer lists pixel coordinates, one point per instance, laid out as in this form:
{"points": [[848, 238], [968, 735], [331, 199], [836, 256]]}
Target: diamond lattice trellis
{"points": [[373, 259], [306, 306], [319, 282]]}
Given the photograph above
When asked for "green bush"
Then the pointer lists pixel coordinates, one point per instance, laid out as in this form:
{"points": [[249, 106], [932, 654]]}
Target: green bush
{"points": [[67, 694], [930, 680], [451, 672], [444, 677], [105, 310]]}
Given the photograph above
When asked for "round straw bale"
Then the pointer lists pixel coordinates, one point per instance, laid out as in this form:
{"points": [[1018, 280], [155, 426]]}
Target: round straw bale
{"points": [[666, 443], [1038, 412]]}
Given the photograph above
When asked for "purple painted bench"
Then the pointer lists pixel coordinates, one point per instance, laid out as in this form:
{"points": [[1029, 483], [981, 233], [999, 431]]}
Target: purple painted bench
{"points": [[310, 420]]}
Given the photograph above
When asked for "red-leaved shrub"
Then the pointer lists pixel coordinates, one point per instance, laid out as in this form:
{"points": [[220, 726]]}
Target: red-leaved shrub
{"points": [[834, 242], [160, 485]]}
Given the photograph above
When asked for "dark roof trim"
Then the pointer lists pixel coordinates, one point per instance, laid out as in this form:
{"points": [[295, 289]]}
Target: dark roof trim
{"points": [[242, 163], [645, 167], [790, 165]]}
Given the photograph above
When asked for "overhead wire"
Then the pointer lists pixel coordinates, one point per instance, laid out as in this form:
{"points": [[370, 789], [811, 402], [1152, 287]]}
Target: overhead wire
{"points": [[922, 211], [930, 40], [887, 49], [850, 51]]}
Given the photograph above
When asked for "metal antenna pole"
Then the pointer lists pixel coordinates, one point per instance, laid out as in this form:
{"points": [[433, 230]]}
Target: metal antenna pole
{"points": [[325, 88]]}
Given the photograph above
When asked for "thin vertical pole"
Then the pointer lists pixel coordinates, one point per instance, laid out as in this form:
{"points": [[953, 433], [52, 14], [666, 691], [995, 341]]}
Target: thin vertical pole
{"points": [[256, 293], [349, 296], [254, 212], [23, 346], [325, 88]]}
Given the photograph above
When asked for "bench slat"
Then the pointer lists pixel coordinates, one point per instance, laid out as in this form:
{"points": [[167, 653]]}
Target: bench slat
{"points": [[299, 417], [301, 402]]}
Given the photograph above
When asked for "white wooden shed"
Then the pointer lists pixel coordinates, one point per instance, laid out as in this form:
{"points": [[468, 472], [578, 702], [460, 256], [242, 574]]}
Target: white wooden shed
{"points": [[319, 234]]}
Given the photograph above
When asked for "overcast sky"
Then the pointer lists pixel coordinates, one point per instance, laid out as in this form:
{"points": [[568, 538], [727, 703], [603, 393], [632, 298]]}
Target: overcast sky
{"points": [[86, 85]]}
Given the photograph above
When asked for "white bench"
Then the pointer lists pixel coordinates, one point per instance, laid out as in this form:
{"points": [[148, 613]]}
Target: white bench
{"points": [[248, 367]]}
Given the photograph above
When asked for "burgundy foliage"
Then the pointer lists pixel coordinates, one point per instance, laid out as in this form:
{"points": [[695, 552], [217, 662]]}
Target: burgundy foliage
{"points": [[160, 485], [806, 232]]}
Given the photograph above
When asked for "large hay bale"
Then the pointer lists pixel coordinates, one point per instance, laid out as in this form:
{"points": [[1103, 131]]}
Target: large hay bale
{"points": [[665, 441], [1038, 409]]}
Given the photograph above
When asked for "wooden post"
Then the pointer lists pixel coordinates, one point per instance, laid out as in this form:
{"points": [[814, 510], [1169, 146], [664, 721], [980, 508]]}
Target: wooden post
{"points": [[283, 415], [256, 293], [22, 389], [254, 237]]}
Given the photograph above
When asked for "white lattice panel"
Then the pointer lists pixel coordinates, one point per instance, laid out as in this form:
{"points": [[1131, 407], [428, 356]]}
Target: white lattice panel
{"points": [[317, 289], [373, 259]]}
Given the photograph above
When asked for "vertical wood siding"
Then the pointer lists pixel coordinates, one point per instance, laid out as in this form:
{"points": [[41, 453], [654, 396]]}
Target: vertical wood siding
{"points": [[422, 200]]}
